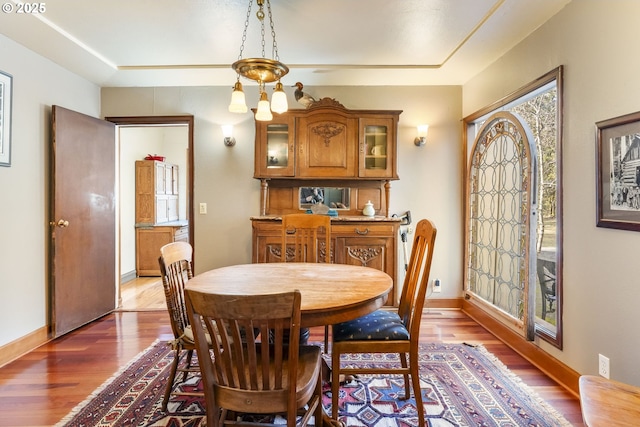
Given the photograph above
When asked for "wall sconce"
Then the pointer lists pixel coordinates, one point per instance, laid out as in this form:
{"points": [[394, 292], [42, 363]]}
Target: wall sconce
{"points": [[227, 132], [421, 139]]}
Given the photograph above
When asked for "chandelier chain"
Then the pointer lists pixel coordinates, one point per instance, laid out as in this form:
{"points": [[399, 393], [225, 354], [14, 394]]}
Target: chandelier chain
{"points": [[260, 15], [273, 34], [261, 70], [244, 33]]}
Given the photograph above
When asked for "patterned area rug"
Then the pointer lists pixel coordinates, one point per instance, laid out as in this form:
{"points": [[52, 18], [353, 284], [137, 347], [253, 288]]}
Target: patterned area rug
{"points": [[461, 385]]}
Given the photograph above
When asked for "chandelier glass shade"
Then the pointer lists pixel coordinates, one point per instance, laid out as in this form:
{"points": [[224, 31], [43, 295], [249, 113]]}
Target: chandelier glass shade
{"points": [[238, 103], [279, 102], [264, 111], [261, 70]]}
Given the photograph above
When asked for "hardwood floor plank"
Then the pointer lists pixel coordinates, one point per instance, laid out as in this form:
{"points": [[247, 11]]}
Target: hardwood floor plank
{"points": [[44, 385], [142, 294]]}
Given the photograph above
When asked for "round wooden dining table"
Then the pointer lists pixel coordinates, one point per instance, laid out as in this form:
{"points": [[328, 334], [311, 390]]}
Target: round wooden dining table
{"points": [[331, 293]]}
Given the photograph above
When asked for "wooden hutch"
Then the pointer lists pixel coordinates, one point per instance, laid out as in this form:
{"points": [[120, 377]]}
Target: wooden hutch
{"points": [[157, 220], [349, 158]]}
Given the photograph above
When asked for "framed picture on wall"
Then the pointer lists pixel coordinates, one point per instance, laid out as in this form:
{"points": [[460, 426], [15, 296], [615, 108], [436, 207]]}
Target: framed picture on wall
{"points": [[618, 172], [6, 90]]}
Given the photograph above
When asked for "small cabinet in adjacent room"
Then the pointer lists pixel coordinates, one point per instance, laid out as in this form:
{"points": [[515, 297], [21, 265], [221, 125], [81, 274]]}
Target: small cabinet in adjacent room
{"points": [[149, 240], [156, 213], [156, 192]]}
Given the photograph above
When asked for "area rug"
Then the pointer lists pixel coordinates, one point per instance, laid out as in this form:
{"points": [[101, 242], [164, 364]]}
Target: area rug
{"points": [[461, 385]]}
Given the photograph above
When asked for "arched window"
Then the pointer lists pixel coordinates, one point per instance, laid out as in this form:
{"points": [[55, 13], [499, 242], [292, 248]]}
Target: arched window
{"points": [[514, 209]]}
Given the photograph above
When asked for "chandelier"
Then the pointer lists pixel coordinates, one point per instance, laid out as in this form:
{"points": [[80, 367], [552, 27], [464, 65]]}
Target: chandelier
{"points": [[261, 70]]}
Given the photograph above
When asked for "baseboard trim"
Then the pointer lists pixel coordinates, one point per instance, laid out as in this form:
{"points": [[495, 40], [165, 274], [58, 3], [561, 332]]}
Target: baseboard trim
{"points": [[126, 277], [431, 303], [552, 367], [23, 345]]}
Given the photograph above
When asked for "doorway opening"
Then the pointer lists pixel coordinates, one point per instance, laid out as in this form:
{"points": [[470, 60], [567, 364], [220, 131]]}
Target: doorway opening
{"points": [[138, 137]]}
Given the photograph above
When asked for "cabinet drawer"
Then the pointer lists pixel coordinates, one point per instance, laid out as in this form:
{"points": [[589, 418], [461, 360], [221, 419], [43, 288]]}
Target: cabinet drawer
{"points": [[270, 228], [181, 234], [363, 229]]}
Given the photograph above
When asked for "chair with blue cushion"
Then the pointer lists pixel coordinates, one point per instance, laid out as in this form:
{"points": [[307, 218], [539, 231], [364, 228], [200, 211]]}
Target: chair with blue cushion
{"points": [[385, 331]]}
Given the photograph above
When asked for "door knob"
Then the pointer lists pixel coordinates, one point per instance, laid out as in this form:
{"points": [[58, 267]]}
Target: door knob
{"points": [[61, 223]]}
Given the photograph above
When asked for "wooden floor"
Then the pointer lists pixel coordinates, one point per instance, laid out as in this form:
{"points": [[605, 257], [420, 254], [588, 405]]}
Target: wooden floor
{"points": [[142, 294], [41, 387]]}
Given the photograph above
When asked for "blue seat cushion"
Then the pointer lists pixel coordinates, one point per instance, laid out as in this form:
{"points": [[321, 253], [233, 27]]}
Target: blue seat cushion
{"points": [[379, 325]]}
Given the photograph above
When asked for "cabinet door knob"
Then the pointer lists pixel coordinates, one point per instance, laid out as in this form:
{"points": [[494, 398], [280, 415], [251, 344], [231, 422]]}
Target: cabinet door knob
{"points": [[362, 232]]}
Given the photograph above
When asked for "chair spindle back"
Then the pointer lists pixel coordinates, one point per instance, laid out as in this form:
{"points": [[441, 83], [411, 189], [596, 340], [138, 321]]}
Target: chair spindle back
{"points": [[306, 238]]}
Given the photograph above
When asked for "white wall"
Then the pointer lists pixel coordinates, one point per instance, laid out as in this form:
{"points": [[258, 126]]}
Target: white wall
{"points": [[37, 85], [430, 176], [596, 41]]}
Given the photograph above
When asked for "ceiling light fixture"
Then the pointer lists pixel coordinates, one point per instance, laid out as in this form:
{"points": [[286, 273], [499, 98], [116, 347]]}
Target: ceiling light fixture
{"points": [[262, 70]]}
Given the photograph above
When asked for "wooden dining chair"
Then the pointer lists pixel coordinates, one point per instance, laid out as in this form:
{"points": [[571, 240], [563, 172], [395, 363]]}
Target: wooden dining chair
{"points": [[274, 375], [307, 238], [386, 331], [175, 269], [608, 403]]}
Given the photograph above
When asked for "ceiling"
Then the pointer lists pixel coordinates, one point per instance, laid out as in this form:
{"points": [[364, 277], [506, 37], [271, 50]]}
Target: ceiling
{"points": [[324, 42]]}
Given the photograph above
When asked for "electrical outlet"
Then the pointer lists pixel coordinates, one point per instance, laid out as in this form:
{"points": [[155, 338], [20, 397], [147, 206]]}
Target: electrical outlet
{"points": [[437, 287], [409, 230], [203, 208], [603, 366]]}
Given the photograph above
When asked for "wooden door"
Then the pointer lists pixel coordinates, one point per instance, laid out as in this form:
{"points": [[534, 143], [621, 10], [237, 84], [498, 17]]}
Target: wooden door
{"points": [[83, 247]]}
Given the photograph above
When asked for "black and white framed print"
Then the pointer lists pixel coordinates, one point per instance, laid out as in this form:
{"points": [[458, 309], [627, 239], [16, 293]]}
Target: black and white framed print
{"points": [[618, 172]]}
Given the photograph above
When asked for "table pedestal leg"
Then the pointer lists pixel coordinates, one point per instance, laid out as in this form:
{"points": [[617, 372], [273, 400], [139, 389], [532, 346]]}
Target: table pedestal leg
{"points": [[304, 336]]}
